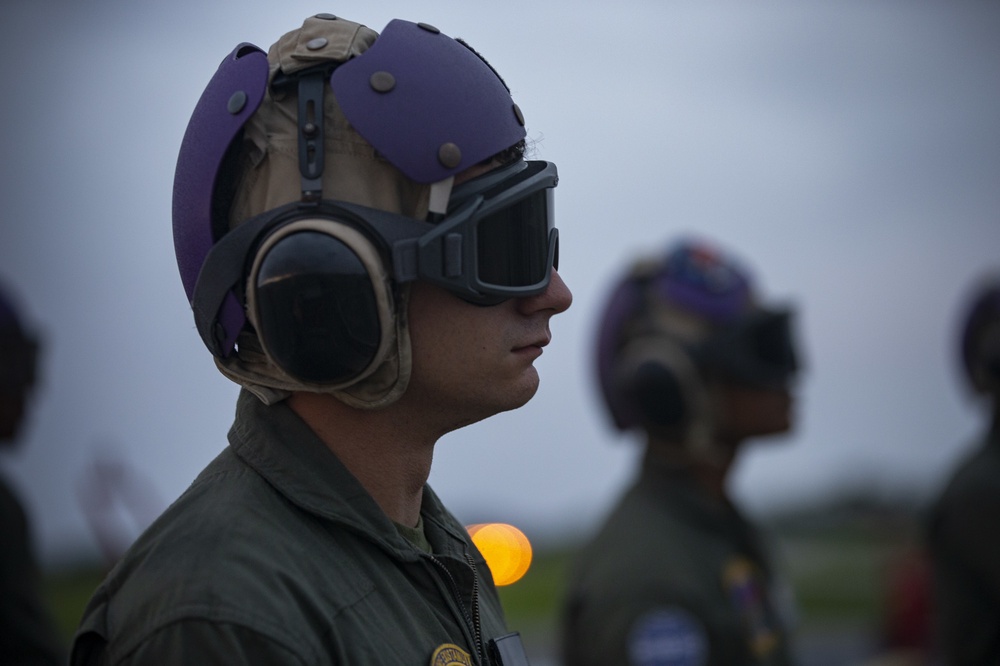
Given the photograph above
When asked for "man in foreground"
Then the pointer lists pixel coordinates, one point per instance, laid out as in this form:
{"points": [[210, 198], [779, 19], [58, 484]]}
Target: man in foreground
{"points": [[368, 254]]}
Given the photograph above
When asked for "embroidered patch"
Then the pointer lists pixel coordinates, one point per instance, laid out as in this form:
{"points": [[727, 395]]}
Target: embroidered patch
{"points": [[450, 654], [667, 637], [744, 584]]}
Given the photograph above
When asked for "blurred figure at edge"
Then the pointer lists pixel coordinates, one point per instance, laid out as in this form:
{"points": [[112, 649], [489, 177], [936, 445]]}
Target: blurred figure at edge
{"points": [[27, 631], [964, 529]]}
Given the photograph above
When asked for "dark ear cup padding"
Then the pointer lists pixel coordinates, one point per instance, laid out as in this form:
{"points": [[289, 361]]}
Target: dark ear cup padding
{"points": [[317, 313], [988, 366], [658, 394], [992, 366]]}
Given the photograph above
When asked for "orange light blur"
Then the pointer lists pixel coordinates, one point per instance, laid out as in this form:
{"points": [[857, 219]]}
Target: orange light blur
{"points": [[506, 550]]}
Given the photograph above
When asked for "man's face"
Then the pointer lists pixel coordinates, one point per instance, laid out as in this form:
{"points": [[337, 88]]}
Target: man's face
{"points": [[469, 361], [753, 412]]}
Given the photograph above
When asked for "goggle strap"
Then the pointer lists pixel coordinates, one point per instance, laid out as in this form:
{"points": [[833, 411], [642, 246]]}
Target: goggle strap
{"points": [[407, 259], [452, 256], [405, 265]]}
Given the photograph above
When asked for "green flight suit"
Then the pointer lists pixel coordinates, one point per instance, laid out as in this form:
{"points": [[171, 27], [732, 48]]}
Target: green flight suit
{"points": [[964, 545], [673, 577], [277, 555]]}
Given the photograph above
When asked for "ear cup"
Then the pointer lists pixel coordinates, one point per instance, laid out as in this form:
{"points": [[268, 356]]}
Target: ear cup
{"points": [[660, 381], [658, 395], [985, 364], [321, 306]]}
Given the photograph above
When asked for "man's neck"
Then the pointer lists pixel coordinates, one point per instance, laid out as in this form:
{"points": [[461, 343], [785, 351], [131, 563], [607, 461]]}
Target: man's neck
{"points": [[709, 469], [388, 452]]}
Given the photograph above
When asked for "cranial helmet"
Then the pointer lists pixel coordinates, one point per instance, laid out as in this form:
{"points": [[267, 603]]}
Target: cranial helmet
{"points": [[980, 337], [314, 184], [673, 323]]}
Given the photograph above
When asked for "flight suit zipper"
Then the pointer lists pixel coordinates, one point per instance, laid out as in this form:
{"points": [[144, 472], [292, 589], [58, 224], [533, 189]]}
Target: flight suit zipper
{"points": [[472, 620]]}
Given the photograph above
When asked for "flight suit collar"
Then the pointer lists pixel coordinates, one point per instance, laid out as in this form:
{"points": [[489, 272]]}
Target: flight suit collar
{"points": [[279, 446], [673, 486]]}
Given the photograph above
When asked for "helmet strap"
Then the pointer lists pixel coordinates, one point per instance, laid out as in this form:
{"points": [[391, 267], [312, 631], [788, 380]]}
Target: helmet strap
{"points": [[312, 86]]}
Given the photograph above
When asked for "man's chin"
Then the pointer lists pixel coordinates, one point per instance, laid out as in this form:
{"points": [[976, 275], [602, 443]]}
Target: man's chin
{"points": [[522, 394]]}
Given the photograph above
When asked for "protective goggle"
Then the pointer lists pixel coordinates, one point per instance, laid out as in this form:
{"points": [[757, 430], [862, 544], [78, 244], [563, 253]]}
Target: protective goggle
{"points": [[759, 350], [18, 360], [497, 241]]}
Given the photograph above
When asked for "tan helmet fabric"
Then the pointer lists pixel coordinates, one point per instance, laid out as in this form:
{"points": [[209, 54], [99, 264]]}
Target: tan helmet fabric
{"points": [[269, 177]]}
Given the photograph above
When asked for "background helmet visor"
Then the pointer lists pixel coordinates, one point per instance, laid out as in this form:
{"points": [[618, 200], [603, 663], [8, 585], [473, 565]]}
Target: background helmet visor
{"points": [[758, 351]]}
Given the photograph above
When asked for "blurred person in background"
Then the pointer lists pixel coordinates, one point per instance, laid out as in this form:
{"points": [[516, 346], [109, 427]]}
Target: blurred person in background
{"points": [[371, 258], [964, 530], [27, 630], [692, 359]]}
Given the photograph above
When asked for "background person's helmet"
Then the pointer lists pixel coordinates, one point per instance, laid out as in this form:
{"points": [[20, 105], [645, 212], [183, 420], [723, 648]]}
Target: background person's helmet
{"points": [[18, 366], [979, 342], [285, 165], [673, 323], [18, 349]]}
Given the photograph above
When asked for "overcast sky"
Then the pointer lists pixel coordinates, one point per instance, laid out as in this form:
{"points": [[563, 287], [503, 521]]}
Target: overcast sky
{"points": [[848, 152]]}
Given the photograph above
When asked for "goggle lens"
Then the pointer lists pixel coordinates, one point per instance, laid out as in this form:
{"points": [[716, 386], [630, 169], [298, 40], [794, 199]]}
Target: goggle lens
{"points": [[759, 351], [513, 243]]}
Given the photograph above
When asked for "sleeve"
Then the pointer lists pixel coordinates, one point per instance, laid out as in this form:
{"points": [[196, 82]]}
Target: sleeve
{"points": [[195, 642], [970, 526]]}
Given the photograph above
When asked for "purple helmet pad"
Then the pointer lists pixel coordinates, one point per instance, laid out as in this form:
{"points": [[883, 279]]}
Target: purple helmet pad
{"points": [[700, 280], [214, 124], [440, 92]]}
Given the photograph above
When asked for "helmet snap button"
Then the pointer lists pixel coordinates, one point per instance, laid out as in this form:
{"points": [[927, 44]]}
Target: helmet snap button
{"points": [[382, 82], [236, 102], [429, 28], [449, 155], [316, 44], [519, 115]]}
